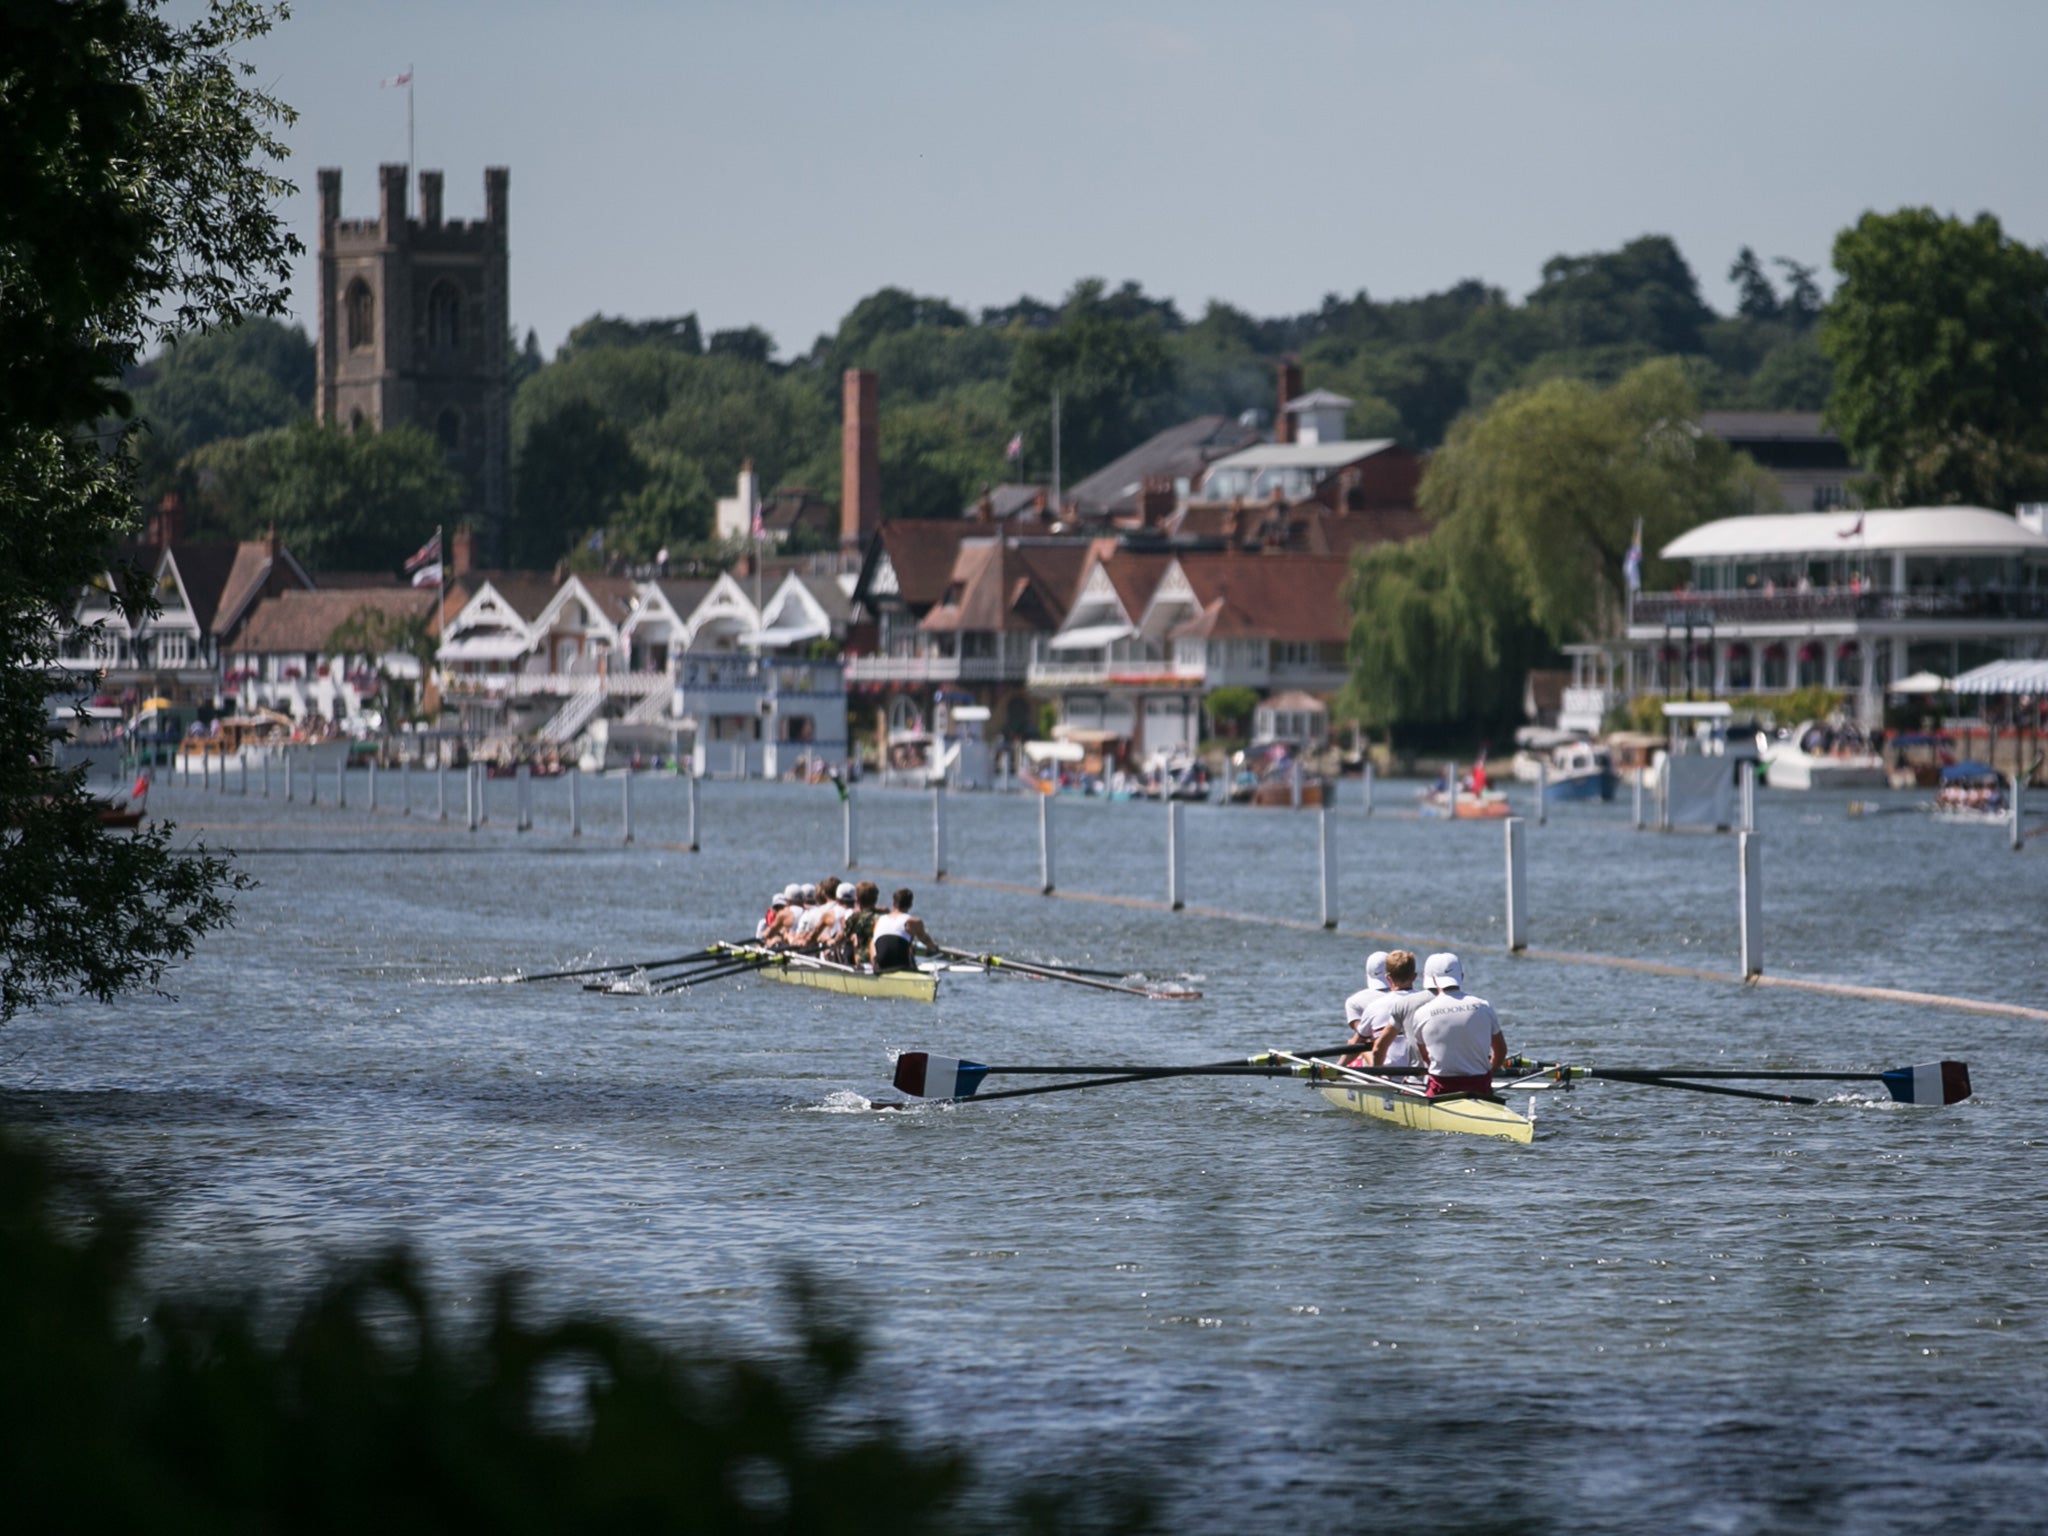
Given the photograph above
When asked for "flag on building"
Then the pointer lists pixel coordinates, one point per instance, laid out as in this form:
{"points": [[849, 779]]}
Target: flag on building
{"points": [[756, 528], [1016, 449], [427, 575], [1854, 531], [427, 554], [1632, 562], [595, 543]]}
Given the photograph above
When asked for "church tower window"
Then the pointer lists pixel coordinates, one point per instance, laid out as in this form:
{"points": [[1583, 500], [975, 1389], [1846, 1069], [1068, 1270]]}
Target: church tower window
{"points": [[444, 316], [362, 316], [448, 428]]}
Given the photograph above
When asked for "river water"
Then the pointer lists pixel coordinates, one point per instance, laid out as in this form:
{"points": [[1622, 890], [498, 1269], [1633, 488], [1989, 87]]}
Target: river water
{"points": [[1670, 1313]]}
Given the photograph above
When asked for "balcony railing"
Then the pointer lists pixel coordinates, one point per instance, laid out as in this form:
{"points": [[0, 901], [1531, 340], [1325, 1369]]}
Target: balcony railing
{"points": [[933, 669], [1708, 609]]}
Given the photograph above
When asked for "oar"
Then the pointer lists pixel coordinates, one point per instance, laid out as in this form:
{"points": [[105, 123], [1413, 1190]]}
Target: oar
{"points": [[697, 956], [1053, 973], [1934, 1082], [695, 978], [925, 1076]]}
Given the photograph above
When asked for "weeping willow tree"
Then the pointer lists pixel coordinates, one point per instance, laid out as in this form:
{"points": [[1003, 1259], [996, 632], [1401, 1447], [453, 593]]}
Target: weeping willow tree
{"points": [[1534, 504]]}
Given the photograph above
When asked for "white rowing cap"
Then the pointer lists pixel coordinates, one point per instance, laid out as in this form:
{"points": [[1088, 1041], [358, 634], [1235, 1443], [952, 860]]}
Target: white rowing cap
{"points": [[1443, 973]]}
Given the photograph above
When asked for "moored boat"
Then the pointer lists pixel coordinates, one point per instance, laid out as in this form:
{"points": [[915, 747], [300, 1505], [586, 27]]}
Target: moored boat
{"points": [[1971, 792], [1819, 755], [1486, 805]]}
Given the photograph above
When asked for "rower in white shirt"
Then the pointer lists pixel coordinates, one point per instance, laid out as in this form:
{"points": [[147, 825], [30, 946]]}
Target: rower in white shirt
{"points": [[1458, 1036], [1395, 1013]]}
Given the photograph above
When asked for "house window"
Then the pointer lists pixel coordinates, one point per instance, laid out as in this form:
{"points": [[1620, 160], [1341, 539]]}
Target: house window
{"points": [[444, 317], [362, 316], [1293, 653], [173, 650]]}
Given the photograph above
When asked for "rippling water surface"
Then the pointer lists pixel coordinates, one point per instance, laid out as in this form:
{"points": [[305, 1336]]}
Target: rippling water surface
{"points": [[1672, 1312]]}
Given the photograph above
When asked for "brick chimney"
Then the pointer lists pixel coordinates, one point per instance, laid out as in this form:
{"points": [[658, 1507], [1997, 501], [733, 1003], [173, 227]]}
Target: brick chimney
{"points": [[461, 550], [167, 522], [1156, 501], [1290, 389], [860, 460]]}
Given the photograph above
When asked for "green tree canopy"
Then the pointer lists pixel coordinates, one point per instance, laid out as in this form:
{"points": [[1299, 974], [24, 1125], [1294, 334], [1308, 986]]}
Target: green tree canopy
{"points": [[340, 500], [573, 472], [1534, 503], [1938, 333], [1107, 360], [137, 205]]}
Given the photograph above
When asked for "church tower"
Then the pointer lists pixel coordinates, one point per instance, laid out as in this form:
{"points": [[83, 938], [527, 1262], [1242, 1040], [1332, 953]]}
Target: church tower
{"points": [[414, 315]]}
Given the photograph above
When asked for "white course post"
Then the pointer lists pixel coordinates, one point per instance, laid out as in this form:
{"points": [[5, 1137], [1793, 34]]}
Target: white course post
{"points": [[1745, 779], [242, 770], [341, 780], [2014, 836], [626, 801], [1175, 827], [1294, 783], [523, 821], [1641, 769], [938, 831], [1368, 786], [312, 783], [1326, 849], [1751, 881], [266, 773], [575, 802], [1543, 793], [1045, 844], [847, 830], [694, 841], [440, 785], [405, 786], [1518, 892], [288, 775], [373, 786], [470, 796]]}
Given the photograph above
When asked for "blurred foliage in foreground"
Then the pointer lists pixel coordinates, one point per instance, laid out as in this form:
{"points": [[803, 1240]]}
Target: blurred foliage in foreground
{"points": [[362, 1410]]}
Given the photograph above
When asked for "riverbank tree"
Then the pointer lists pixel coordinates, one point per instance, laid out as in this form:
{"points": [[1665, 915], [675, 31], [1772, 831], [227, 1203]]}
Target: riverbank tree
{"points": [[138, 205], [1534, 505]]}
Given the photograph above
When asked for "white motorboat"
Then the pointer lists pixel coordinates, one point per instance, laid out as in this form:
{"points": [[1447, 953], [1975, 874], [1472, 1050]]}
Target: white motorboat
{"points": [[1824, 755]]}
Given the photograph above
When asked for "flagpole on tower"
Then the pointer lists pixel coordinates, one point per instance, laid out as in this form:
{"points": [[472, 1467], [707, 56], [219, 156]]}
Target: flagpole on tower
{"points": [[411, 155]]}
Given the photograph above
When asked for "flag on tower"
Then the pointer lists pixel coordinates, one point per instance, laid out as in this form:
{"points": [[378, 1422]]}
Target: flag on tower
{"points": [[403, 77], [1632, 562]]}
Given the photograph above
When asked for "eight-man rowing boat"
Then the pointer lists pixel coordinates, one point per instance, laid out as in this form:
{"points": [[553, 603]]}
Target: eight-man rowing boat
{"points": [[918, 986]]}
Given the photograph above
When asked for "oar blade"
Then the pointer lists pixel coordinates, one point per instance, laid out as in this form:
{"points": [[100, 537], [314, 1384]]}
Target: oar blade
{"points": [[1934, 1082], [925, 1076]]}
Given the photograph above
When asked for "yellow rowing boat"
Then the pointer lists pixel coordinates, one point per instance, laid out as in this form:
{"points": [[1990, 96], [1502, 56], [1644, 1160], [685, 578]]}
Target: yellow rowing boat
{"points": [[808, 971], [1400, 1105]]}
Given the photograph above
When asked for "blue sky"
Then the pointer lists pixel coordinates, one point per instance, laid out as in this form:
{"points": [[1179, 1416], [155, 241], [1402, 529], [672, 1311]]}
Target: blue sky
{"points": [[770, 163]]}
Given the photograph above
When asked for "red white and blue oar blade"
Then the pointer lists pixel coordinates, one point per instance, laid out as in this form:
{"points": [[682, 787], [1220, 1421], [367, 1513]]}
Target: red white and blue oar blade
{"points": [[925, 1076], [1935, 1082]]}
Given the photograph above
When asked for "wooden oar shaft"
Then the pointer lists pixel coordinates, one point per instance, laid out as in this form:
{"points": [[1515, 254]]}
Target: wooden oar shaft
{"points": [[1054, 973]]}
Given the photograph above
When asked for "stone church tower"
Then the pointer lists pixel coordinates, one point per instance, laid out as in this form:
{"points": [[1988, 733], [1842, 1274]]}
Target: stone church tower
{"points": [[414, 317]]}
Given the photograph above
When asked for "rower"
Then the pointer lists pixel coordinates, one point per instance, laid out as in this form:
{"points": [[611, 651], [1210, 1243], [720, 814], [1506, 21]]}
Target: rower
{"points": [[776, 903], [857, 933], [819, 925], [1396, 1012], [1360, 1003], [1458, 1036], [898, 936], [782, 933]]}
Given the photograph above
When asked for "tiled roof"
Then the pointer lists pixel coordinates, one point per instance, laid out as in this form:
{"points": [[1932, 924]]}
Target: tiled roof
{"points": [[1179, 453], [1024, 586], [922, 551], [527, 591], [299, 622], [1766, 426], [1271, 597]]}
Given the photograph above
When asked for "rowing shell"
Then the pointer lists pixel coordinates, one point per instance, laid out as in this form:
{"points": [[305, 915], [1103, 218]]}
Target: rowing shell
{"points": [[917, 986], [1398, 1105]]}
